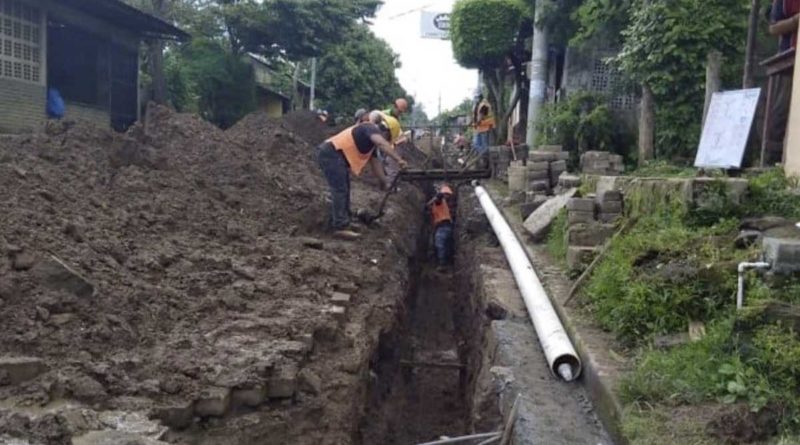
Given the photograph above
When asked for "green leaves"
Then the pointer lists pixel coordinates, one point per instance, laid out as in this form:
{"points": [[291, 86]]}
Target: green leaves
{"points": [[483, 32]]}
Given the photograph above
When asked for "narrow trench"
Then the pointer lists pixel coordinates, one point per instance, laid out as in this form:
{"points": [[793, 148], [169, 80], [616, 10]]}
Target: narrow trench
{"points": [[419, 376]]}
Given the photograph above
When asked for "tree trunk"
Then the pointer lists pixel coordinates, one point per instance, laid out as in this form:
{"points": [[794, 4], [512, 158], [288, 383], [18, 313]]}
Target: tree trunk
{"points": [[495, 84], [295, 89], [713, 82], [156, 58], [750, 49], [647, 120]]}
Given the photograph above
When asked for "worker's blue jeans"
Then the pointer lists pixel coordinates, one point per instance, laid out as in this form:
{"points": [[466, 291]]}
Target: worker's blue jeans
{"points": [[443, 242], [481, 142], [336, 170]]}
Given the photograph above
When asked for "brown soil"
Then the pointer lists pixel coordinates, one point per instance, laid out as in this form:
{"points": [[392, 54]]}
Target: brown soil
{"points": [[147, 269]]}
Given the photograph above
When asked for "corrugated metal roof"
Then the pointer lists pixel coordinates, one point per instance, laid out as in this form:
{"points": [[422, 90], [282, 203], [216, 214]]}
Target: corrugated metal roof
{"points": [[126, 16]]}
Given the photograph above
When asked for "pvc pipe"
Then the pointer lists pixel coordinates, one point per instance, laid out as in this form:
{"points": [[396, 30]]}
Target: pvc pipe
{"points": [[450, 440], [558, 349], [740, 284]]}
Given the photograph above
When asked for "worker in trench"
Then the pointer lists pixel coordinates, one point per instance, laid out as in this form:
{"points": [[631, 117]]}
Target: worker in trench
{"points": [[349, 152], [442, 221]]}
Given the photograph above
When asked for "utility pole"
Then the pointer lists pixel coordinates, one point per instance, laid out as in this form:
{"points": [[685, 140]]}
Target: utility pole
{"points": [[538, 75], [313, 83]]}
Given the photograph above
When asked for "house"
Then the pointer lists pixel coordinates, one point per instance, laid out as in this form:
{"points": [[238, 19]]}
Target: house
{"points": [[86, 49], [274, 89]]}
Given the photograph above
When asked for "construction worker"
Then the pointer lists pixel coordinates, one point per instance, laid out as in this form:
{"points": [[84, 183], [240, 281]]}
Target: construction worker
{"points": [[397, 110], [395, 131], [361, 116], [349, 152], [482, 122], [442, 225]]}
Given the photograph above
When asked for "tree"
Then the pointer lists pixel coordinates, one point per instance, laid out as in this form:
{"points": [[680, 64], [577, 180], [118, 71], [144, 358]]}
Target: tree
{"points": [[358, 73], [489, 35]]}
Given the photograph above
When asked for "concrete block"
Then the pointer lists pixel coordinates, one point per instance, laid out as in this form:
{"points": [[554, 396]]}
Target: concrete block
{"points": [[559, 166], [338, 313], [248, 397], [539, 186], [608, 218], [21, 369], [581, 205], [541, 156], [578, 217], [538, 175], [538, 166], [589, 234], [340, 298], [283, 383], [782, 253], [550, 148], [539, 221], [609, 195], [568, 181], [610, 207], [213, 402], [562, 156], [579, 257], [527, 208], [178, 415]]}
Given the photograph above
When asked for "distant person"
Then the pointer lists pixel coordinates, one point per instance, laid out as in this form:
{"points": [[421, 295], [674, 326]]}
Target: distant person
{"points": [[55, 104], [442, 221], [397, 110], [349, 152], [482, 122], [784, 18]]}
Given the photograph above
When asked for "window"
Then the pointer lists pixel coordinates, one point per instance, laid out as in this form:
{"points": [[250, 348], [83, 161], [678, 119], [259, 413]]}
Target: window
{"points": [[78, 64], [20, 41], [607, 80]]}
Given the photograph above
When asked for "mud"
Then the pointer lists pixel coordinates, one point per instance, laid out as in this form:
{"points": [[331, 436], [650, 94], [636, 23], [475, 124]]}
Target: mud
{"points": [[184, 273]]}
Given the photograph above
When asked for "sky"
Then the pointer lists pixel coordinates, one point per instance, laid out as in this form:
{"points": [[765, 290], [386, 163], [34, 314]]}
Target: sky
{"points": [[428, 67]]}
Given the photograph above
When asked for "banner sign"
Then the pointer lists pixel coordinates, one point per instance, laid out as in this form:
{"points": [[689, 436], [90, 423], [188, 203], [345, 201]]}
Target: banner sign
{"points": [[435, 25]]}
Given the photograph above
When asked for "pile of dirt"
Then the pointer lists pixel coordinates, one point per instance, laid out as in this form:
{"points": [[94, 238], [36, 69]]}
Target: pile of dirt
{"points": [[175, 267]]}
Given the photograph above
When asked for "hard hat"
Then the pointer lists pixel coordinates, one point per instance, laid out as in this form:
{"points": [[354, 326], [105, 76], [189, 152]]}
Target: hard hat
{"points": [[393, 125], [401, 104], [445, 190]]}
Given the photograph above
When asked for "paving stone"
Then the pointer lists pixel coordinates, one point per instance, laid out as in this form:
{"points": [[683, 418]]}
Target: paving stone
{"points": [[558, 166], [581, 205], [568, 181], [538, 175], [541, 156], [213, 402], [539, 221], [562, 156], [579, 217], [551, 148], [178, 414], [609, 195], [539, 186], [248, 397], [21, 369], [610, 207], [538, 166], [340, 298], [589, 234]]}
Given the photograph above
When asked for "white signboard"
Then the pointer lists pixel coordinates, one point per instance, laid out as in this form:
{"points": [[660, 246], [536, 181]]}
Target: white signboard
{"points": [[727, 128], [435, 25]]}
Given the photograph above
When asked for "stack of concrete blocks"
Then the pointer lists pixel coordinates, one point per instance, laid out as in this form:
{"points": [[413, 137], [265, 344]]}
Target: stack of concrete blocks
{"points": [[502, 157], [590, 223], [602, 163], [544, 169]]}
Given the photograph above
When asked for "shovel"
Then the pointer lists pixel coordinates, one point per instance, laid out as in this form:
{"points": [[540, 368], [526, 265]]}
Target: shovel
{"points": [[367, 217]]}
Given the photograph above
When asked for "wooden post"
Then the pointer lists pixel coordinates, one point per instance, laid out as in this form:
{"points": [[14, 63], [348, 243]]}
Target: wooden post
{"points": [[713, 83], [791, 151], [750, 49], [647, 121]]}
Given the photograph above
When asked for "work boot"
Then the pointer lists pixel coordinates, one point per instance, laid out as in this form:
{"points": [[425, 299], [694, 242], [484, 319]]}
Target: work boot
{"points": [[346, 234]]}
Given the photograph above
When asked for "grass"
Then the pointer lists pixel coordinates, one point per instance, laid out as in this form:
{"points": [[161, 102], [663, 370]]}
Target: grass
{"points": [[557, 238]]}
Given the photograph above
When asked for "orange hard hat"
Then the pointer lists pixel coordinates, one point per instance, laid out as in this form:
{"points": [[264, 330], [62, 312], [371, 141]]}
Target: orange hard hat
{"points": [[401, 104], [445, 190]]}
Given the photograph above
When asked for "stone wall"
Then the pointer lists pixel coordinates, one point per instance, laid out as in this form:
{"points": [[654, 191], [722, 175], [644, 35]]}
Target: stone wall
{"points": [[23, 106]]}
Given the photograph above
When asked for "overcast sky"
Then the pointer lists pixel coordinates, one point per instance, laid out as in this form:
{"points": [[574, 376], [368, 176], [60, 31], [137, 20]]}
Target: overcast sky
{"points": [[428, 65]]}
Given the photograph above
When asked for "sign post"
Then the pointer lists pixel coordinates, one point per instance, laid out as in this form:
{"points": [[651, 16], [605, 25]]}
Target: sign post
{"points": [[435, 25]]}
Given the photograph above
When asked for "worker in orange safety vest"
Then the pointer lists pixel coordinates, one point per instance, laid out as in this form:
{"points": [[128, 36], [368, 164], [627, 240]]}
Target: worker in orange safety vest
{"points": [[442, 225], [348, 153]]}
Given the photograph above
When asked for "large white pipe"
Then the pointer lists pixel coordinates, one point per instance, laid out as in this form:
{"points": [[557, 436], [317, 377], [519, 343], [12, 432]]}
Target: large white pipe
{"points": [[558, 349]]}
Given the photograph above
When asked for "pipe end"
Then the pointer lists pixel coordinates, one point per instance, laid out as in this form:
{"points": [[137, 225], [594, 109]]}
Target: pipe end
{"points": [[568, 367]]}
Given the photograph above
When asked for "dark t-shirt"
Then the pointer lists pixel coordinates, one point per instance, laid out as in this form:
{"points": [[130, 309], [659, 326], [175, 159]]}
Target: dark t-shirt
{"points": [[363, 134], [782, 10]]}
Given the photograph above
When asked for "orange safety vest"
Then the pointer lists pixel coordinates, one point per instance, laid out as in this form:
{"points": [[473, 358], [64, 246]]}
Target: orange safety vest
{"points": [[346, 143], [440, 212]]}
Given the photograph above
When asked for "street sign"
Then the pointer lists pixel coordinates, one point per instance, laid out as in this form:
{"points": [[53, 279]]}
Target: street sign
{"points": [[727, 129], [435, 25]]}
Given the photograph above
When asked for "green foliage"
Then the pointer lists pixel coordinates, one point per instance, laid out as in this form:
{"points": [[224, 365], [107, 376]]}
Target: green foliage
{"points": [[663, 169], [583, 122], [665, 47], [358, 73], [770, 193], [221, 83], [483, 32], [557, 238]]}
